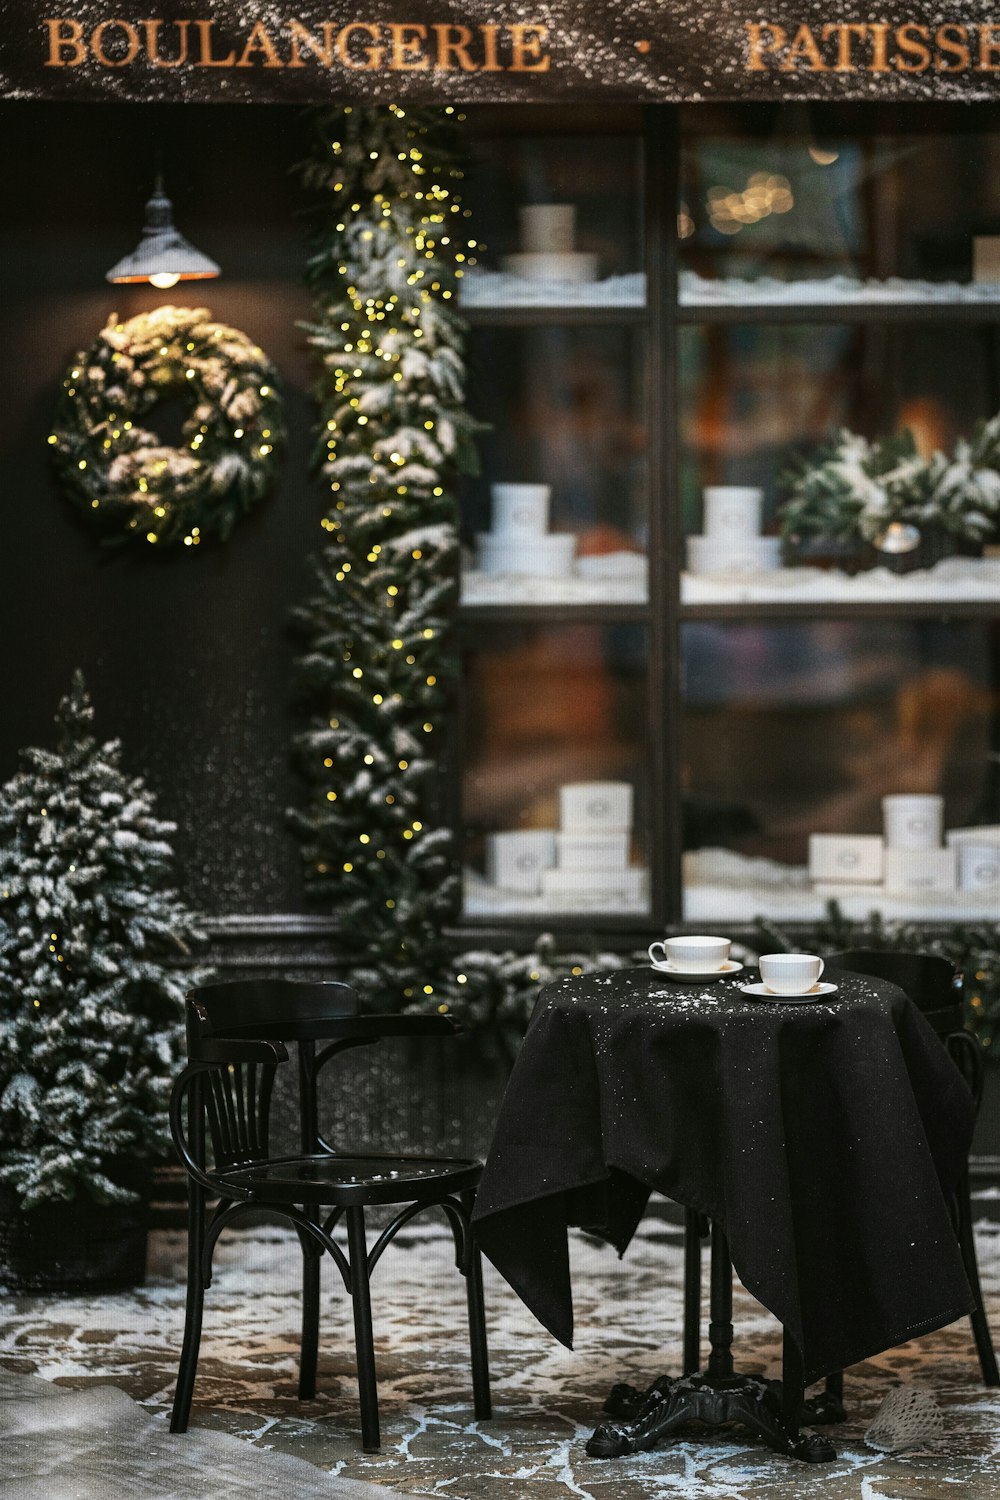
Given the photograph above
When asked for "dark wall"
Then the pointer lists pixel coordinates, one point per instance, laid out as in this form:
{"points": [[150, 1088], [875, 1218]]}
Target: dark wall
{"points": [[187, 653]]}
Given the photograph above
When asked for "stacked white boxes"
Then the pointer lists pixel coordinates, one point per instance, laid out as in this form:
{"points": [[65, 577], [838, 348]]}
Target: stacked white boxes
{"points": [[548, 238], [520, 541], [732, 542], [581, 865]]}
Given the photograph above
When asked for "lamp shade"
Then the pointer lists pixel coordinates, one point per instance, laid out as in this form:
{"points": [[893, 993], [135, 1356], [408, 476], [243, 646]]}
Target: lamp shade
{"points": [[163, 256]]}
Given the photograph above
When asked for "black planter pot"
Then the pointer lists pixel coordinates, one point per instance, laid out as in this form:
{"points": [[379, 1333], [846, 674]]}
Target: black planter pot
{"points": [[72, 1246]]}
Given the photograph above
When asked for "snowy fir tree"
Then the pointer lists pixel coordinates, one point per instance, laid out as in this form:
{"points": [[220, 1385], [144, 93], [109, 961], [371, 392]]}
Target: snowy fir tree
{"points": [[378, 673], [94, 960]]}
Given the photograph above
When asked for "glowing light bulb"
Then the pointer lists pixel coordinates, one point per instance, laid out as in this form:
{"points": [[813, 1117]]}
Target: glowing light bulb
{"points": [[164, 279]]}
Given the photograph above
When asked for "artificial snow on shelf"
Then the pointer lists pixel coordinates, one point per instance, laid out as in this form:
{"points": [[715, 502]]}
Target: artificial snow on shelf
{"points": [[701, 291], [500, 289], [503, 289], [605, 578], [955, 578], [482, 899], [723, 885]]}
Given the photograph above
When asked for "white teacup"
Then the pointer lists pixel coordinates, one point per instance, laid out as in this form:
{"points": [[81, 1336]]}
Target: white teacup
{"points": [[790, 973], [691, 955]]}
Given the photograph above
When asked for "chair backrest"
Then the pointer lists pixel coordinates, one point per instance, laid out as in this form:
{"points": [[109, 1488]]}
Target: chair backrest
{"points": [[284, 1010], [237, 1099], [932, 982]]}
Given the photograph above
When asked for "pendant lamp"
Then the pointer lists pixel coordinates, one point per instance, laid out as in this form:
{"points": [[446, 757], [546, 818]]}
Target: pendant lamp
{"points": [[163, 256]]}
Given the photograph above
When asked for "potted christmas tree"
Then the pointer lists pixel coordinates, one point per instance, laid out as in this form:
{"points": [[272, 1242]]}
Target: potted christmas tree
{"points": [[94, 960]]}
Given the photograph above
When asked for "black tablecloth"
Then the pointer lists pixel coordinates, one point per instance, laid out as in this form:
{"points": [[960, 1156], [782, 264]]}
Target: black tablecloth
{"points": [[823, 1136]]}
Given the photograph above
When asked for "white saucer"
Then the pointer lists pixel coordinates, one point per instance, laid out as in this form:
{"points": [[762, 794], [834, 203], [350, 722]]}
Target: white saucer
{"points": [[687, 976], [761, 992]]}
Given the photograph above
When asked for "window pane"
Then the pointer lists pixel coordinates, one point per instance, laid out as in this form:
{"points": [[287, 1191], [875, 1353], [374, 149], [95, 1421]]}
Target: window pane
{"points": [[546, 709], [566, 410], [795, 729], [596, 236], [754, 395], [799, 195]]}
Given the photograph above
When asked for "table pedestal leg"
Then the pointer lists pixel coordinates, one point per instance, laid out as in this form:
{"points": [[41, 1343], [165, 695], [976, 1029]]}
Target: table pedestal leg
{"points": [[771, 1409]]}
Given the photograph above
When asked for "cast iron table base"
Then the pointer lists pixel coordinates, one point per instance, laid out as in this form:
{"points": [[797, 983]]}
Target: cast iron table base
{"points": [[645, 1417], [770, 1409]]}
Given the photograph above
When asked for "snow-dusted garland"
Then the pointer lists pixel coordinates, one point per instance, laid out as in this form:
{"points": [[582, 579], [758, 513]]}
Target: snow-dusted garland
{"points": [[120, 475], [378, 673], [858, 489]]}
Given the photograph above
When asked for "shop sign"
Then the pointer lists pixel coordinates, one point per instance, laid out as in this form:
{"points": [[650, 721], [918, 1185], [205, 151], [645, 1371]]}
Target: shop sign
{"points": [[477, 50]]}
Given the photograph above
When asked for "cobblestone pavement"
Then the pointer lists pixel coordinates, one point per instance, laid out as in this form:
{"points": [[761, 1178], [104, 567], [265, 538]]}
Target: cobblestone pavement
{"points": [[547, 1399]]}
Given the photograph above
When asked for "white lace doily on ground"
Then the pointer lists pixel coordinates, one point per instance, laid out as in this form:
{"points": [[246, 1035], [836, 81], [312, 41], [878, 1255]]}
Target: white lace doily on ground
{"points": [[907, 1418]]}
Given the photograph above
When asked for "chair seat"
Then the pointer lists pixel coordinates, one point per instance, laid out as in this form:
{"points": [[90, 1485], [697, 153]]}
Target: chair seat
{"points": [[329, 1178]]}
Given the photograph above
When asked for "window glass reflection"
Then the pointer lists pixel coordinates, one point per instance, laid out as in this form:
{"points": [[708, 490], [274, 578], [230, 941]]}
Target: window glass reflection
{"points": [[546, 712], [797, 729]]}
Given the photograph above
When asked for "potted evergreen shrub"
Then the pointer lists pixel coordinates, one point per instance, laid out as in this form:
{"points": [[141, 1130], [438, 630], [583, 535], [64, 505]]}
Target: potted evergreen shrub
{"points": [[95, 946]]}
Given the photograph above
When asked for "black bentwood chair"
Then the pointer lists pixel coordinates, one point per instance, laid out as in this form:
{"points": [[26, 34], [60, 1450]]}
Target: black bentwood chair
{"points": [[220, 1117], [935, 987]]}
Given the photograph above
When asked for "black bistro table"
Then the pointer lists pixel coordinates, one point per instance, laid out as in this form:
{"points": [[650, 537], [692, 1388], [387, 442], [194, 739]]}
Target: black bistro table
{"points": [[820, 1137]]}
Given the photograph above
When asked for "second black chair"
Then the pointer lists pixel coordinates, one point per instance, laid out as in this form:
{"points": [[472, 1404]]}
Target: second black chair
{"points": [[935, 987], [220, 1119]]}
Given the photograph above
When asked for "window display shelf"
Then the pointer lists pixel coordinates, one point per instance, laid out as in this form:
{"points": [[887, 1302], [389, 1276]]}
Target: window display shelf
{"points": [[721, 885], [954, 582], [836, 292], [617, 578], [502, 291], [485, 900]]}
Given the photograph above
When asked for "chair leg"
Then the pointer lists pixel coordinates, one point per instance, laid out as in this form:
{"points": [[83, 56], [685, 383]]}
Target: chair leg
{"points": [[194, 1305], [363, 1338], [692, 1292], [967, 1244], [477, 1319], [311, 1258]]}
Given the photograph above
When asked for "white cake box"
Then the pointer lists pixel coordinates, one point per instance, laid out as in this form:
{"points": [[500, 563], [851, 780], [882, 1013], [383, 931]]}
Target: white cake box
{"points": [[919, 872], [979, 867], [754, 554], [552, 265], [566, 889], [732, 512], [519, 510], [913, 821], [592, 851], [596, 807], [548, 227], [986, 257], [548, 556], [855, 857], [515, 860], [986, 833]]}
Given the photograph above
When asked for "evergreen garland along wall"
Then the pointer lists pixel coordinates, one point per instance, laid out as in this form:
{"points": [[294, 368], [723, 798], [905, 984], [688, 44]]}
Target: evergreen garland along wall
{"points": [[378, 676]]}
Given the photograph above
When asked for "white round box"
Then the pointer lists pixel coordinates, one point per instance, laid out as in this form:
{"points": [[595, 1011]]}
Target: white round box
{"points": [[520, 509], [551, 265], [755, 554], [732, 511], [978, 866], [548, 556], [913, 821], [547, 226]]}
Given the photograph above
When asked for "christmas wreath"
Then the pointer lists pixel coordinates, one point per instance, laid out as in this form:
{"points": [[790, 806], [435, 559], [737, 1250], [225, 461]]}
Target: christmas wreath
{"points": [[122, 476]]}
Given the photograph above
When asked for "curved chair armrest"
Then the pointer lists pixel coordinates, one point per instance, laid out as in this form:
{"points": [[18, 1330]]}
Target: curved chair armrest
{"points": [[219, 1051]]}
